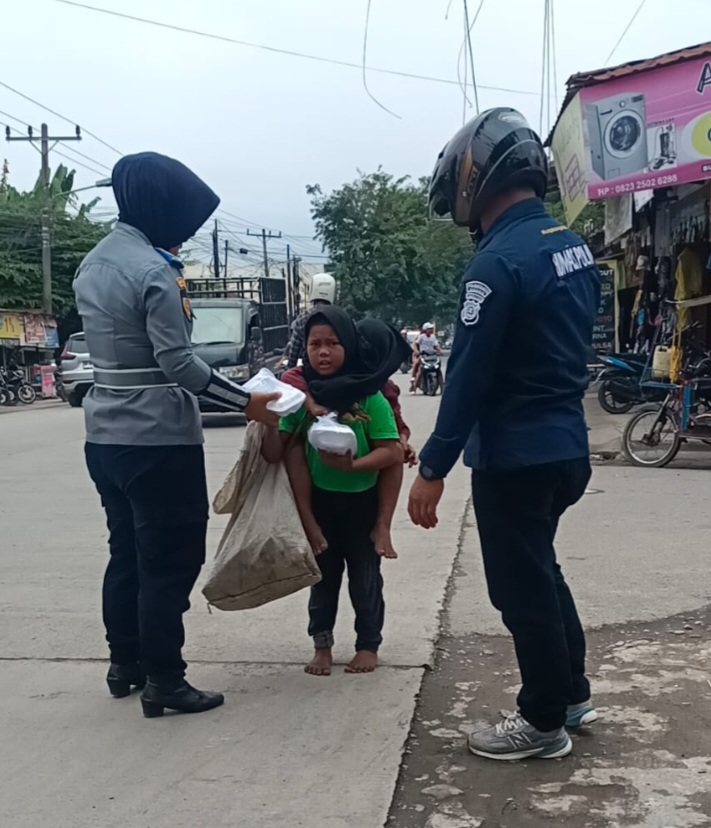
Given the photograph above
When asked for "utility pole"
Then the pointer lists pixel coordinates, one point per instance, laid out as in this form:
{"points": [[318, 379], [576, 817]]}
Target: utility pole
{"points": [[45, 149], [265, 238], [216, 251], [289, 284], [297, 280]]}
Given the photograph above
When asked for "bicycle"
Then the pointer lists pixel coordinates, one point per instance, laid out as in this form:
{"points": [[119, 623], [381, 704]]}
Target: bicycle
{"points": [[684, 415]]}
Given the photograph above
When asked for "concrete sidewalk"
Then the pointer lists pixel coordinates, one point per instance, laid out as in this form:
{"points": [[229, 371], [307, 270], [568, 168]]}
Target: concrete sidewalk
{"points": [[605, 433], [286, 749], [636, 553]]}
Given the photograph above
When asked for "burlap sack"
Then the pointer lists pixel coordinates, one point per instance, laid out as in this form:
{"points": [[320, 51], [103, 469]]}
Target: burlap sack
{"points": [[263, 554]]}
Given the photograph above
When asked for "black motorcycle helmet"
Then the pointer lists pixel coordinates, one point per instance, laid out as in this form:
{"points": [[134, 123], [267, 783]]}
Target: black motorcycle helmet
{"points": [[494, 152]]}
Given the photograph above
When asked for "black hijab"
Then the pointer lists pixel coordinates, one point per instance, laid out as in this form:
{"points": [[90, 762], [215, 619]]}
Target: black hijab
{"points": [[161, 197], [373, 352]]}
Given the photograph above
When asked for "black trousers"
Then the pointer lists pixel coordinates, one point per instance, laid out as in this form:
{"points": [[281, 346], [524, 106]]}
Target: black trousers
{"points": [[347, 521], [517, 514], [155, 498]]}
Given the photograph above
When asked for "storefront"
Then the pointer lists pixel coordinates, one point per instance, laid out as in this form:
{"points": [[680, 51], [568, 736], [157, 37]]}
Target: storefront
{"points": [[28, 339], [638, 137]]}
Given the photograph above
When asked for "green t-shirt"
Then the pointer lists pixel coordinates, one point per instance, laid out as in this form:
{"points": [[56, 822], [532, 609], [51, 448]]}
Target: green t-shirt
{"points": [[380, 426]]}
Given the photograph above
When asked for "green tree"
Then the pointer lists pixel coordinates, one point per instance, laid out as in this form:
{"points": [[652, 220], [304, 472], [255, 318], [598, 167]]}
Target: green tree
{"points": [[390, 259], [590, 221], [72, 234]]}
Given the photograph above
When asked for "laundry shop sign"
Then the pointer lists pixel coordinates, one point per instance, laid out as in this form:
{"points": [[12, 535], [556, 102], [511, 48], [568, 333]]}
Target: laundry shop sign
{"points": [[644, 131]]}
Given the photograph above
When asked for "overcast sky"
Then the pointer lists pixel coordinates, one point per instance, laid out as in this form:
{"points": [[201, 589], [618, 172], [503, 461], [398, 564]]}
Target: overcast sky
{"points": [[259, 126]]}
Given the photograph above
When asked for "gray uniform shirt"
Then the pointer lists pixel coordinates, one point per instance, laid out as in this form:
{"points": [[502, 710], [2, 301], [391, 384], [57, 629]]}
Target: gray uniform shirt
{"points": [[130, 302]]}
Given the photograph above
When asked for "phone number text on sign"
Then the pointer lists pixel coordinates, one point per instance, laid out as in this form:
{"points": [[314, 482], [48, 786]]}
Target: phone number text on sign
{"points": [[607, 190]]}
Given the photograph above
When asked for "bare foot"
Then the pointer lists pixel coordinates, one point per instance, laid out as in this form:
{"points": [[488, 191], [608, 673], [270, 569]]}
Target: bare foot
{"points": [[320, 664], [316, 538], [383, 542], [364, 661]]}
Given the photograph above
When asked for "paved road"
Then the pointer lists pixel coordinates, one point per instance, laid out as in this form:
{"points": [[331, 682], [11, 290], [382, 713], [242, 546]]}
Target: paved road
{"points": [[290, 750], [286, 749]]}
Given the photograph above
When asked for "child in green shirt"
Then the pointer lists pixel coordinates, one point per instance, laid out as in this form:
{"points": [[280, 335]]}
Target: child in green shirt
{"points": [[342, 502]]}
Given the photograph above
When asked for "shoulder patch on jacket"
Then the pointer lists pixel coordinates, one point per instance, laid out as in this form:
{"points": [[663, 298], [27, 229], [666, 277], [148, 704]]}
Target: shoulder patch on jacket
{"points": [[571, 260], [475, 294], [187, 307]]}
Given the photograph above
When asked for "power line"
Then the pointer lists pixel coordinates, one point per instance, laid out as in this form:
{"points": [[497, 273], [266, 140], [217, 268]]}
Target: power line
{"points": [[78, 163], [69, 149], [468, 41], [88, 158], [276, 50], [365, 74], [624, 33], [58, 114]]}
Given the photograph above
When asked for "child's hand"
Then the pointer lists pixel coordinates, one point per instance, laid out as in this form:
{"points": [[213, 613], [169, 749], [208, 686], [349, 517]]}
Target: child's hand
{"points": [[342, 462], [410, 453], [314, 408]]}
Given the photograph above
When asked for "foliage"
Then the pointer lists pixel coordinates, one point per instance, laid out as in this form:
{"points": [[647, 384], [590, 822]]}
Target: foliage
{"points": [[390, 259], [590, 221], [72, 235]]}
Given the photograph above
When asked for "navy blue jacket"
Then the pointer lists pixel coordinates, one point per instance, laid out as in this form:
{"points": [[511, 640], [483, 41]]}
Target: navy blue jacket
{"points": [[518, 369]]}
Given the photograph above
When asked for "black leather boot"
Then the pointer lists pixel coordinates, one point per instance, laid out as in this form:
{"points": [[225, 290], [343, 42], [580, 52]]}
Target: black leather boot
{"points": [[184, 698], [122, 677]]}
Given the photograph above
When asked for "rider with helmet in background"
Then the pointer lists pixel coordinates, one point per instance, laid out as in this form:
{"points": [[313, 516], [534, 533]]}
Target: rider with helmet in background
{"points": [[514, 396], [426, 344], [322, 291]]}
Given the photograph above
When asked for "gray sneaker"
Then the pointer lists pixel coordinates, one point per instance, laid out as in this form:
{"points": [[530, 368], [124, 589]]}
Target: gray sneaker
{"points": [[580, 714], [514, 738]]}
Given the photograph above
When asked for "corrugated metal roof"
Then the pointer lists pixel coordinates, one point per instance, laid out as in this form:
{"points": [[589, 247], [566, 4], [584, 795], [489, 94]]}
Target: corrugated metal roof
{"points": [[635, 67], [582, 79]]}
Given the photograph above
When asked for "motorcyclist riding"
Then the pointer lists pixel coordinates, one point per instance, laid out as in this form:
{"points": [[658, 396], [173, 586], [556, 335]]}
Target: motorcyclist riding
{"points": [[426, 344]]}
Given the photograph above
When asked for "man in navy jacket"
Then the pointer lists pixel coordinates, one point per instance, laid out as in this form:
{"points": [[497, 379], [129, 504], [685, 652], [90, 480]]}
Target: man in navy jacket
{"points": [[513, 402]]}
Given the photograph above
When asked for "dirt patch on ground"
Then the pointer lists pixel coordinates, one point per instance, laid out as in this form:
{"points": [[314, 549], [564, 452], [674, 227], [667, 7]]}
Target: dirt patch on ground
{"points": [[645, 764]]}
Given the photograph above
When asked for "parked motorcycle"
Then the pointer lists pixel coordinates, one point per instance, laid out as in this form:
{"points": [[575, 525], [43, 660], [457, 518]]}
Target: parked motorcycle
{"points": [[620, 389], [15, 382], [430, 373]]}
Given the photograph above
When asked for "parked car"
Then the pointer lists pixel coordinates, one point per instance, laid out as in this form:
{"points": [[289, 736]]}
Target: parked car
{"points": [[77, 370]]}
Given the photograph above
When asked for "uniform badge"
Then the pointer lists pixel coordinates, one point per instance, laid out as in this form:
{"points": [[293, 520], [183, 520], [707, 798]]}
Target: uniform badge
{"points": [[187, 307], [475, 294]]}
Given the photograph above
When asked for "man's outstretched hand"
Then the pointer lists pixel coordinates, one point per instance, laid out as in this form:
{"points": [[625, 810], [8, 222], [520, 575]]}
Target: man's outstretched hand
{"points": [[425, 496], [257, 409]]}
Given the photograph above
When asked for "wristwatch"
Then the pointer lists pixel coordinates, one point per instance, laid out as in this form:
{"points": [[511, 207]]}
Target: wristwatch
{"points": [[426, 473]]}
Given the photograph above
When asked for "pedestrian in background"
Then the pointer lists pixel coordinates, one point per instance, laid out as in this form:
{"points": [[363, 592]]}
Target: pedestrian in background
{"points": [[143, 428], [514, 394]]}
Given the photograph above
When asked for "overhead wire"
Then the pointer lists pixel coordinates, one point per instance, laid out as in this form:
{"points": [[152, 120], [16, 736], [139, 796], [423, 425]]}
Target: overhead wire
{"points": [[555, 56], [549, 71], [544, 57], [365, 67], [68, 149], [59, 115], [278, 50], [468, 41], [626, 29], [465, 98]]}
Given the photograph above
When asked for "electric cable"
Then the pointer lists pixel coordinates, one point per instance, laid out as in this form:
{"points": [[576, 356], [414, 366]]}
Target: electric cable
{"points": [[626, 29], [58, 114], [365, 74], [543, 67], [471, 50], [277, 50]]}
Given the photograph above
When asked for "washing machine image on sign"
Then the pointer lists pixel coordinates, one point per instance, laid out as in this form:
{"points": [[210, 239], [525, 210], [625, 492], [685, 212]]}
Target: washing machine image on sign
{"points": [[618, 136]]}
